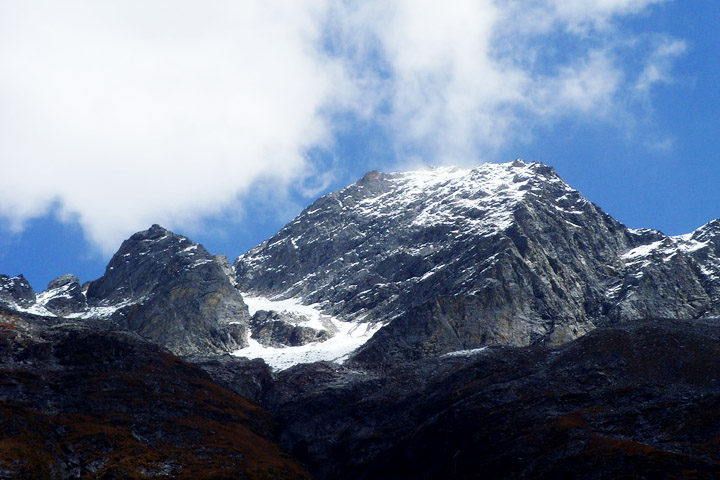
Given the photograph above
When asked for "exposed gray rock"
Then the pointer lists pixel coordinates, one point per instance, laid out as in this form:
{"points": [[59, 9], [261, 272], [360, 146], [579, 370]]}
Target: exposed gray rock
{"points": [[16, 291], [222, 260], [676, 277], [64, 296], [174, 292], [284, 329]]}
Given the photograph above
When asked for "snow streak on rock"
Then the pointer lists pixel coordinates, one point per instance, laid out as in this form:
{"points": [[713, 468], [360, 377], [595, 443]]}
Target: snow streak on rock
{"points": [[346, 337]]}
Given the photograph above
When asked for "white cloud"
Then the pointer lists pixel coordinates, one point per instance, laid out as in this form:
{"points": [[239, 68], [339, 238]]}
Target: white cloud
{"points": [[582, 14], [586, 86], [123, 114], [465, 76], [129, 113], [658, 66]]}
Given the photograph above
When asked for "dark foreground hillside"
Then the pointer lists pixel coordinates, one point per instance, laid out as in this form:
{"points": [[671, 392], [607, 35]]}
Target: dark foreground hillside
{"points": [[86, 400], [640, 400]]}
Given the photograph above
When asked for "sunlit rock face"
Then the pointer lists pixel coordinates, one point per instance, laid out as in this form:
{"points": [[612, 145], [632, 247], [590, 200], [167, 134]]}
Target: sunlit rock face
{"points": [[171, 290], [451, 259]]}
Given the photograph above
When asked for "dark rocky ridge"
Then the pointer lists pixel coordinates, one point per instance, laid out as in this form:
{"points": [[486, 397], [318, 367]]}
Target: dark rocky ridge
{"points": [[249, 378], [16, 291], [87, 399], [636, 400], [174, 292]]}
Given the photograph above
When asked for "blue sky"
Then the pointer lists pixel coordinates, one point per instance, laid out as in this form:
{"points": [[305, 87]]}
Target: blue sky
{"points": [[223, 122]]}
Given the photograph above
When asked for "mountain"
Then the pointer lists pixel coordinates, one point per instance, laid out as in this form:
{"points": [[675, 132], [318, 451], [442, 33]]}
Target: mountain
{"points": [[158, 284], [502, 254], [171, 290], [16, 292], [443, 323]]}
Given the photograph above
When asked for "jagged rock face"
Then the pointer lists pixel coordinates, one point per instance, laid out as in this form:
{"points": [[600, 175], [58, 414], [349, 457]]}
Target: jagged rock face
{"points": [[512, 246], [174, 292], [676, 277], [501, 254], [707, 259], [85, 399], [16, 291], [283, 329], [64, 296]]}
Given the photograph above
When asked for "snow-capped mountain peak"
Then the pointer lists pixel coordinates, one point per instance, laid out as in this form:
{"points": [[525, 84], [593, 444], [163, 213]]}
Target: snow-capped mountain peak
{"points": [[429, 261], [393, 241]]}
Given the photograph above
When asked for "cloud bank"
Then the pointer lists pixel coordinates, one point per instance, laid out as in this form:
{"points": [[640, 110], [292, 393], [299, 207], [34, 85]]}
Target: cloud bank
{"points": [[117, 115], [463, 78]]}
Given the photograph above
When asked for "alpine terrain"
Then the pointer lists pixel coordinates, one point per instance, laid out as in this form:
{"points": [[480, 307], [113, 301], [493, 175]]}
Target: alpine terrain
{"points": [[442, 323]]}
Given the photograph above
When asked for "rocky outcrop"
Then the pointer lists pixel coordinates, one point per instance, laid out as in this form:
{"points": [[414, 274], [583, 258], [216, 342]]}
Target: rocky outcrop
{"points": [[284, 329], [249, 378], [16, 291], [64, 296], [172, 291]]}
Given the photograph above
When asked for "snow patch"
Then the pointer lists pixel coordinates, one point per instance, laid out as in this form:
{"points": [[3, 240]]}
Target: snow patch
{"points": [[346, 339], [643, 250], [103, 311], [61, 292], [189, 249], [465, 353], [689, 246], [35, 310]]}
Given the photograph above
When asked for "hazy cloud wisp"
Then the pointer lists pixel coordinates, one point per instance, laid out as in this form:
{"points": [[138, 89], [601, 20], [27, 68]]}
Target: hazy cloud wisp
{"points": [[463, 76]]}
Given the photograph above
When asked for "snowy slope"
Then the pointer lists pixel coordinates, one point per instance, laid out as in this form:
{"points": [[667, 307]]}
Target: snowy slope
{"points": [[361, 251], [346, 336]]}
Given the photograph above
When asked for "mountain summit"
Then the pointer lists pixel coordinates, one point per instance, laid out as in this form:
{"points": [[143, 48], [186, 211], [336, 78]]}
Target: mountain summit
{"points": [[171, 290], [452, 259], [438, 260]]}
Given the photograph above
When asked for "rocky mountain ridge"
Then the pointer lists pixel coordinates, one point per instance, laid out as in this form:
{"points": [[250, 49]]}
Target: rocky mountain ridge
{"points": [[445, 259], [437, 324], [502, 254]]}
